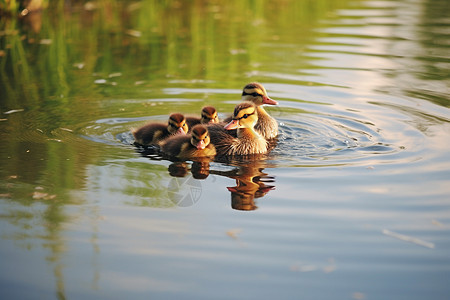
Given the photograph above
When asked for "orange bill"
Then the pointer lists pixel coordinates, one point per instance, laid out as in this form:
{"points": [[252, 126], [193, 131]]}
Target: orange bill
{"points": [[267, 100], [232, 125]]}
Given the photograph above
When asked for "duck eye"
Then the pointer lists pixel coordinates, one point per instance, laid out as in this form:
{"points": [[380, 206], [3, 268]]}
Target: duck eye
{"points": [[255, 94], [245, 116]]}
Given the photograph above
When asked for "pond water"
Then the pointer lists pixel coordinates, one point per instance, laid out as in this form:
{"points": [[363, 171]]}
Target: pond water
{"points": [[353, 202]]}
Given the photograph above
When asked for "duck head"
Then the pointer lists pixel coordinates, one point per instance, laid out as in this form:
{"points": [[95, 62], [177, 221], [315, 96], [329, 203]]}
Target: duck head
{"points": [[200, 137], [244, 116], [209, 115], [177, 124], [257, 94]]}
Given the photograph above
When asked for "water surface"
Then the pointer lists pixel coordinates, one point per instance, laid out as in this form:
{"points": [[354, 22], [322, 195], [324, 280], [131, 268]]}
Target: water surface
{"points": [[353, 203]]}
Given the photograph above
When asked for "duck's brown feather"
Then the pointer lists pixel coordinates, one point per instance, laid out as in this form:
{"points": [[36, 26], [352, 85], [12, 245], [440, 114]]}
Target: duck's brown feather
{"points": [[151, 133], [226, 144], [180, 146]]}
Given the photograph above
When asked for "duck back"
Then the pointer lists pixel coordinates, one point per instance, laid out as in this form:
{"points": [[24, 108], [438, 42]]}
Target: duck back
{"points": [[192, 121], [150, 133]]}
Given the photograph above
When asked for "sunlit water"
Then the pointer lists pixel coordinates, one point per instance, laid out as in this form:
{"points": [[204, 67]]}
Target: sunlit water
{"points": [[352, 203]]}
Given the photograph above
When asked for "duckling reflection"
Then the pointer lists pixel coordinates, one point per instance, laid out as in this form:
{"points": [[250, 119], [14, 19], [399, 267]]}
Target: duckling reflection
{"points": [[199, 168], [251, 183], [178, 169]]}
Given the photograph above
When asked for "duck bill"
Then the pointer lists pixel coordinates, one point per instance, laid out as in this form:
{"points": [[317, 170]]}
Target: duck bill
{"points": [[267, 100], [234, 124], [180, 131], [232, 189], [201, 145]]}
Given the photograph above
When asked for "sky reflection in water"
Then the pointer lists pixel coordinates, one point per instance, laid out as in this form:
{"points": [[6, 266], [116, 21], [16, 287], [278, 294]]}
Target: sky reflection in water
{"points": [[351, 204]]}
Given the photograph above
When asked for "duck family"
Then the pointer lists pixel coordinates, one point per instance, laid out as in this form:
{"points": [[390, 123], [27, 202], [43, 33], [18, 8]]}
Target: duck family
{"points": [[248, 131]]}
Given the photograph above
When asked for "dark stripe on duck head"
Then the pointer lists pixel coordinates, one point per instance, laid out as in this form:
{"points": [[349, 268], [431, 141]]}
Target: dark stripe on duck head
{"points": [[254, 89], [243, 105], [177, 118], [244, 110], [208, 111], [199, 131]]}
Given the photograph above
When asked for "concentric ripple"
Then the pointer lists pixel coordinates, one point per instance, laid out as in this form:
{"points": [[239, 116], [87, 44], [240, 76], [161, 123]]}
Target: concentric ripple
{"points": [[305, 139]]}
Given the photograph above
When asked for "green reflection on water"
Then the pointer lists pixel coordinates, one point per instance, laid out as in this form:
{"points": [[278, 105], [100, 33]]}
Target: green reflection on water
{"points": [[62, 66], [70, 65]]}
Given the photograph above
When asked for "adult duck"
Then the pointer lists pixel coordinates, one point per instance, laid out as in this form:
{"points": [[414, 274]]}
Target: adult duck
{"points": [[266, 125]]}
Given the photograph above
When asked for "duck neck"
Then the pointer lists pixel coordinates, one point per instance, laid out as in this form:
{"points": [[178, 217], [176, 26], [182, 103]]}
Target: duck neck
{"points": [[247, 133], [261, 111]]}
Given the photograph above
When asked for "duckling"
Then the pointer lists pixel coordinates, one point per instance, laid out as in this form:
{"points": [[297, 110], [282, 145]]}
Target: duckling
{"points": [[196, 144], [266, 125], [209, 115], [248, 141], [154, 133]]}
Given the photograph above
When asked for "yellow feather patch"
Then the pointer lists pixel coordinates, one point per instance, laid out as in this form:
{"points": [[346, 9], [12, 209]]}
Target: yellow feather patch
{"points": [[157, 135], [248, 111], [184, 146]]}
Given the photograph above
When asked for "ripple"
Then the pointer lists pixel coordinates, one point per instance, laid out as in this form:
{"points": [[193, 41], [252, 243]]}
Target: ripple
{"points": [[330, 139], [305, 139]]}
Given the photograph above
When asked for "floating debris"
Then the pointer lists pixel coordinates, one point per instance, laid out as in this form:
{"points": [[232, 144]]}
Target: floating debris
{"points": [[90, 6], [79, 65], [42, 196], [55, 140], [233, 233], [437, 223], [100, 81], [134, 33], [45, 42], [12, 111], [408, 239], [117, 74], [237, 51]]}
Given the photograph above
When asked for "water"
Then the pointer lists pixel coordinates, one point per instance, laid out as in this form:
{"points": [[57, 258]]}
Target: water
{"points": [[353, 203]]}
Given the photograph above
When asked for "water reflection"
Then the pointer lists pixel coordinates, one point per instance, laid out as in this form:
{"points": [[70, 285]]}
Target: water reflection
{"points": [[247, 171], [251, 183], [363, 87]]}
